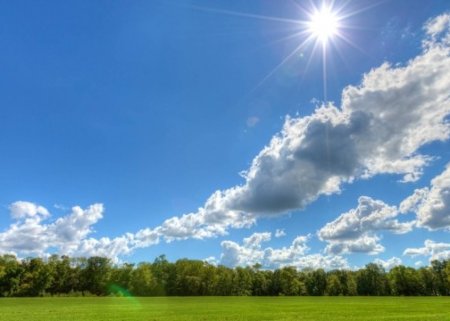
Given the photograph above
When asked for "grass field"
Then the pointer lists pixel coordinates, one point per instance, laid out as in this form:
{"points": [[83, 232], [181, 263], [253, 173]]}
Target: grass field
{"points": [[226, 308]]}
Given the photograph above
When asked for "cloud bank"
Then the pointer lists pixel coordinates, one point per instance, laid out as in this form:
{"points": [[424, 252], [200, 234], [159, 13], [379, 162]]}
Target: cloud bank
{"points": [[252, 252], [379, 128]]}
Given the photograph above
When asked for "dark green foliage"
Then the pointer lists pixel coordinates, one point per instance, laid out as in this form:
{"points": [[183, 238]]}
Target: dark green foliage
{"points": [[62, 276], [372, 280]]}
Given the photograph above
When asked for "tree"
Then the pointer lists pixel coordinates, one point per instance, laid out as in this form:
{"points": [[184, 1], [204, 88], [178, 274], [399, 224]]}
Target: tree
{"points": [[333, 285], [428, 281], [286, 281], [120, 279], [142, 282], [164, 273], [442, 285], [225, 278], [188, 277], [316, 282], [96, 274], [10, 275], [261, 282], [405, 281], [209, 279], [242, 281], [372, 280], [36, 278]]}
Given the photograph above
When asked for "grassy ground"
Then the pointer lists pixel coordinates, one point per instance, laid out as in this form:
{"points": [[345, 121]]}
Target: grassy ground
{"points": [[226, 308]]}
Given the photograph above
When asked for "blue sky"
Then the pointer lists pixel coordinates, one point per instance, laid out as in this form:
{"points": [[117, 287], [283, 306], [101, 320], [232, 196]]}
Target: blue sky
{"points": [[118, 118]]}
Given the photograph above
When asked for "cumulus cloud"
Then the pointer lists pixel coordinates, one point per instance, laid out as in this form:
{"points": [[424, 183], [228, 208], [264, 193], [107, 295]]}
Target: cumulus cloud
{"points": [[355, 230], [252, 252], [433, 205], [379, 128], [390, 263], [22, 209], [34, 234], [287, 255], [247, 254], [208, 221], [411, 203], [319, 261], [432, 249], [436, 26], [30, 234]]}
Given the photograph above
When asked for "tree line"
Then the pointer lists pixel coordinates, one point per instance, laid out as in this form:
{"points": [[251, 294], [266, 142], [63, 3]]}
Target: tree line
{"points": [[64, 276]]}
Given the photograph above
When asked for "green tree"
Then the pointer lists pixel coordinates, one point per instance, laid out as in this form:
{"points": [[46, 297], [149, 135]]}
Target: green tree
{"points": [[188, 277], [225, 277], [242, 281], [95, 276], [438, 268], [372, 280], [142, 282], [261, 282], [120, 278], [334, 286], [406, 281], [36, 278], [10, 275], [316, 282], [164, 273]]}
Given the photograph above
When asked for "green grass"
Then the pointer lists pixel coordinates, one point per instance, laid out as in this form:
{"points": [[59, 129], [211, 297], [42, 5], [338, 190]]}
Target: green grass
{"points": [[226, 308]]}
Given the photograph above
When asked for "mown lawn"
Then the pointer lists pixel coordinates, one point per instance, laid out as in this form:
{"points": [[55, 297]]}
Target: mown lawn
{"points": [[226, 308]]}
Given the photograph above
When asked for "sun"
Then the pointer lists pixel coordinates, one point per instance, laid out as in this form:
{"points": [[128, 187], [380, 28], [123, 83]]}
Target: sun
{"points": [[323, 24]]}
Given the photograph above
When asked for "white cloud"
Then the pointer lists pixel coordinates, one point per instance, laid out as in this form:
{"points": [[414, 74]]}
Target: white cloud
{"points": [[355, 230], [411, 203], [280, 233], [22, 209], [32, 235], [432, 249], [211, 220], [287, 255], [365, 244], [247, 254], [211, 260], [379, 128], [254, 241], [390, 263], [319, 261], [438, 25], [433, 208], [251, 252]]}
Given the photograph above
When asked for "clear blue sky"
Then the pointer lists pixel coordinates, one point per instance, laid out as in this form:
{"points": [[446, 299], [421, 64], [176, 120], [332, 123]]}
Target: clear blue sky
{"points": [[149, 107]]}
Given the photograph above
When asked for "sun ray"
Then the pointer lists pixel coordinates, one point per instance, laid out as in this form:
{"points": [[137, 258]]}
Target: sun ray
{"points": [[323, 26], [245, 15], [277, 67]]}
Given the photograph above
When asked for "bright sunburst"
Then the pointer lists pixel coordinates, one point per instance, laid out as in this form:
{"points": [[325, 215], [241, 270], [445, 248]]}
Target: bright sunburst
{"points": [[317, 26], [324, 24]]}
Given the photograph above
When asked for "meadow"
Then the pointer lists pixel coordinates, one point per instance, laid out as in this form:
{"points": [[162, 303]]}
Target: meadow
{"points": [[226, 308]]}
